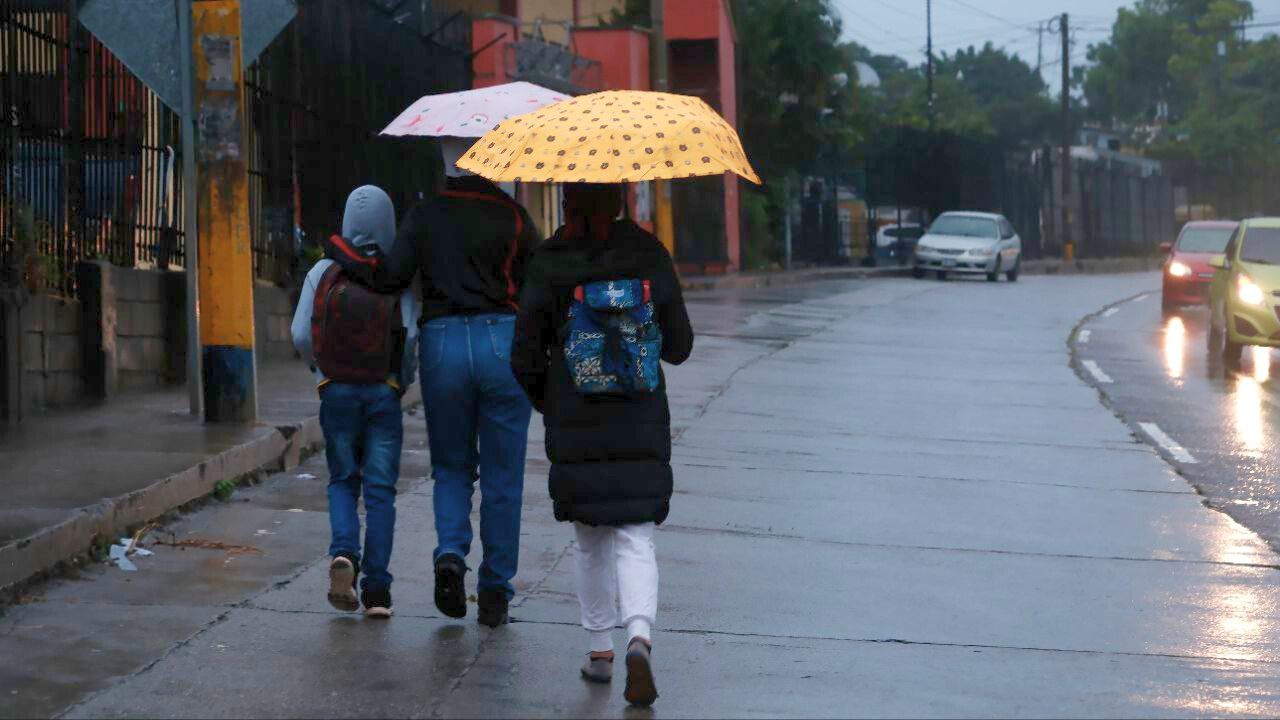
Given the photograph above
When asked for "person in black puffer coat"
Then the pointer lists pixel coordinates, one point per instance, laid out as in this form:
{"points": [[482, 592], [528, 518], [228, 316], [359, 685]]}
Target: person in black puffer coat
{"points": [[610, 454]]}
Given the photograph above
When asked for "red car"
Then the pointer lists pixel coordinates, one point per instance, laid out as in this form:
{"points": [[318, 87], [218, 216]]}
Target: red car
{"points": [[1186, 271]]}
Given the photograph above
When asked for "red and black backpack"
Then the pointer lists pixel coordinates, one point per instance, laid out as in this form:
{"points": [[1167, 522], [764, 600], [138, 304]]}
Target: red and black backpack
{"points": [[356, 333]]}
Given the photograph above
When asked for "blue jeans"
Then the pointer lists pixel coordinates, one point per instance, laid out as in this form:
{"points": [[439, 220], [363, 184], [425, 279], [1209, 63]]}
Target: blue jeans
{"points": [[363, 434], [478, 427]]}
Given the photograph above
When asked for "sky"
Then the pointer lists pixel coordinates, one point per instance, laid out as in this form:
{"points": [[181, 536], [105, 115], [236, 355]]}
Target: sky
{"points": [[897, 27]]}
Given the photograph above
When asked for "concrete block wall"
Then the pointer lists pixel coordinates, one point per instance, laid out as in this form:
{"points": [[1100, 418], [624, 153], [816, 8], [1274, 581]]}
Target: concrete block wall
{"points": [[151, 326], [51, 361], [272, 316], [126, 333]]}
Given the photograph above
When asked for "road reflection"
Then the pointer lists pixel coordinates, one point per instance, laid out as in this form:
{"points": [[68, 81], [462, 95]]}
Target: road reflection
{"points": [[1248, 418], [1175, 348]]}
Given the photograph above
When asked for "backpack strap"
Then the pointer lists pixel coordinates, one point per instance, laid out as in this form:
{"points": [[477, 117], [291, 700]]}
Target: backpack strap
{"points": [[330, 278]]}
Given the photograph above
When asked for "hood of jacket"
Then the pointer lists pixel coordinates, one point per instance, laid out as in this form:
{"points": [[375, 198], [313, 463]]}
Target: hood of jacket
{"points": [[369, 218]]}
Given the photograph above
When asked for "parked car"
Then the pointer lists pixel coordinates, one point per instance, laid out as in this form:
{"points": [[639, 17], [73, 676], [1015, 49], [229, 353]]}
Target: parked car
{"points": [[1243, 294], [969, 242], [897, 241], [1187, 273]]}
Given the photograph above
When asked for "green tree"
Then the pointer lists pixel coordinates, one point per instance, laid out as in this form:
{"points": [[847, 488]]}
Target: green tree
{"points": [[1005, 90]]}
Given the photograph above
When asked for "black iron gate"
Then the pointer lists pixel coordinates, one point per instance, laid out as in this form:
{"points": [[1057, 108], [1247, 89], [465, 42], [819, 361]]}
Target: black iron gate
{"points": [[318, 97], [90, 158]]}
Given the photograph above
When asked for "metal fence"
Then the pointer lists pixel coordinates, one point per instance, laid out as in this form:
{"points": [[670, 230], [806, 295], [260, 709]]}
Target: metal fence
{"points": [[89, 154], [1113, 208], [318, 98], [91, 158], [1212, 194], [926, 174]]}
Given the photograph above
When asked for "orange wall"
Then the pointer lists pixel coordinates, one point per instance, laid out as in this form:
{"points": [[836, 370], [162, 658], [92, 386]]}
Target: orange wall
{"points": [[692, 19], [623, 55], [490, 66]]}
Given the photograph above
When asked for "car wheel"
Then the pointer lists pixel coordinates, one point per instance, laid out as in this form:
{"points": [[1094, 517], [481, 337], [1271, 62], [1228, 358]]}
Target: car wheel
{"points": [[1012, 275], [1231, 353], [994, 275], [917, 272], [1167, 309], [1220, 345], [942, 274]]}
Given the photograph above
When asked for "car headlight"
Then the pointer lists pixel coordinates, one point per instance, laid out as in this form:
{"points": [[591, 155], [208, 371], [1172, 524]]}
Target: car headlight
{"points": [[1249, 292], [923, 248], [1178, 269], [982, 251]]}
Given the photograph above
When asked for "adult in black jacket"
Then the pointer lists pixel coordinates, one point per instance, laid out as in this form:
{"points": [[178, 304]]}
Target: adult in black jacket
{"points": [[471, 245], [610, 455]]}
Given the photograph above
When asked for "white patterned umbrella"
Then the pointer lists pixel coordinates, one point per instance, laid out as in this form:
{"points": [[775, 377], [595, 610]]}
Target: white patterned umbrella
{"points": [[470, 113]]}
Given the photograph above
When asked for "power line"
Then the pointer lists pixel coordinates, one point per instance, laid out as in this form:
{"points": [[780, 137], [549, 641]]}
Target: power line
{"points": [[844, 5], [980, 11]]}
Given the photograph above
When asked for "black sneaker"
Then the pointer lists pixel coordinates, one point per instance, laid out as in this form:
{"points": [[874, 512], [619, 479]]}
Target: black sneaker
{"points": [[377, 602], [493, 608], [451, 594], [342, 584]]}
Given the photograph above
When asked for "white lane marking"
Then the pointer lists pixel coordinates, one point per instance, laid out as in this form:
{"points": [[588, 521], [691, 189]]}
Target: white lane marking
{"points": [[1140, 298], [1096, 372], [1083, 337], [1110, 312], [1178, 452]]}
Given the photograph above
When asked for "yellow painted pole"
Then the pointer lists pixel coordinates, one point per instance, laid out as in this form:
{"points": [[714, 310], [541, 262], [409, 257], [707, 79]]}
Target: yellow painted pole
{"points": [[663, 224], [225, 252]]}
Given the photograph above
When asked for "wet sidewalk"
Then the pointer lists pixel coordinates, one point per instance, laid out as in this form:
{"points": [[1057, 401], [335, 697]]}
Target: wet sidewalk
{"points": [[74, 474], [894, 498]]}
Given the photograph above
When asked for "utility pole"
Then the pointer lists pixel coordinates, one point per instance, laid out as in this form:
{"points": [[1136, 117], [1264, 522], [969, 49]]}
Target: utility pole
{"points": [[1068, 247], [222, 191], [662, 219], [1039, 47], [928, 14]]}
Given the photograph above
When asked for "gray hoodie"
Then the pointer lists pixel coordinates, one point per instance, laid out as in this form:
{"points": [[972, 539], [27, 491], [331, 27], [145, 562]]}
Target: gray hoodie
{"points": [[369, 218]]}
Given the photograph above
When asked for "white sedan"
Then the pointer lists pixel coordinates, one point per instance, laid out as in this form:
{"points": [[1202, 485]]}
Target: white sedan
{"points": [[969, 242]]}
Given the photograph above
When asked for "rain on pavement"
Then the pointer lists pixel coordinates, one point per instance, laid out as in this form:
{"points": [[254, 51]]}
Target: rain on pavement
{"points": [[894, 498], [1162, 373]]}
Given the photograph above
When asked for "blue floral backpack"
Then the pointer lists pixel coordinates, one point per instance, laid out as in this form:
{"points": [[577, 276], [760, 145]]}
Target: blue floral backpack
{"points": [[613, 343]]}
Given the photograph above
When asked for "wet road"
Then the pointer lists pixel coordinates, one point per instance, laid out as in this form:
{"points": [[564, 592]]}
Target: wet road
{"points": [[1224, 421], [894, 498]]}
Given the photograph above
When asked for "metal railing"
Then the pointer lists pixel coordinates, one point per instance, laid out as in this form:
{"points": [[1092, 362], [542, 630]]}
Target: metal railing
{"points": [[553, 66], [90, 158], [89, 154]]}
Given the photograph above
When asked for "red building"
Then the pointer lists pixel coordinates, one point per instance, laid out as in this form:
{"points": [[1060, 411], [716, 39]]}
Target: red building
{"points": [[563, 45]]}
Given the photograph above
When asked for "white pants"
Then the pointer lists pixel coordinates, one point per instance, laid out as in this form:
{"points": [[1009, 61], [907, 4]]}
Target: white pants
{"points": [[617, 581]]}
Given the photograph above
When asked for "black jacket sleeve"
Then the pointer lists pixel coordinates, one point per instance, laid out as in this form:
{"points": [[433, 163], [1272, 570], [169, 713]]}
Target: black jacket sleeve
{"points": [[673, 317], [526, 242], [388, 273], [534, 333]]}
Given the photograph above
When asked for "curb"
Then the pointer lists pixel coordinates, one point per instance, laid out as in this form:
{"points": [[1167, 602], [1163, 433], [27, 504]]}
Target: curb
{"points": [[741, 281], [277, 451], [747, 281], [1091, 266]]}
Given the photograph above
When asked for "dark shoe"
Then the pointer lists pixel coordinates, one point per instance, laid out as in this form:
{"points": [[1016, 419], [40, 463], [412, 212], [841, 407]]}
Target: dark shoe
{"points": [[493, 608], [451, 594], [641, 690], [342, 584], [598, 669], [377, 602]]}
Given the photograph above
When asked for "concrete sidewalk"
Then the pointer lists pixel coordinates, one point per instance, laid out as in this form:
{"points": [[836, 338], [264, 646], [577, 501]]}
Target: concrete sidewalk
{"points": [[73, 475], [893, 499]]}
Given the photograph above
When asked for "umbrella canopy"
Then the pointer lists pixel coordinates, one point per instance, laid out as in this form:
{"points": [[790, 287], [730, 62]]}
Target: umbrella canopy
{"points": [[470, 113], [611, 137]]}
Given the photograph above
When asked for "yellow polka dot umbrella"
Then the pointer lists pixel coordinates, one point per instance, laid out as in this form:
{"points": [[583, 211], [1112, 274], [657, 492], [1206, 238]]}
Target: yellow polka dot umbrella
{"points": [[611, 137]]}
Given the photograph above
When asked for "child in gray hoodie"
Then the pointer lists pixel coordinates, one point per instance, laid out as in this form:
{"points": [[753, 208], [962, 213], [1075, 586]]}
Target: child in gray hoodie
{"points": [[360, 406]]}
